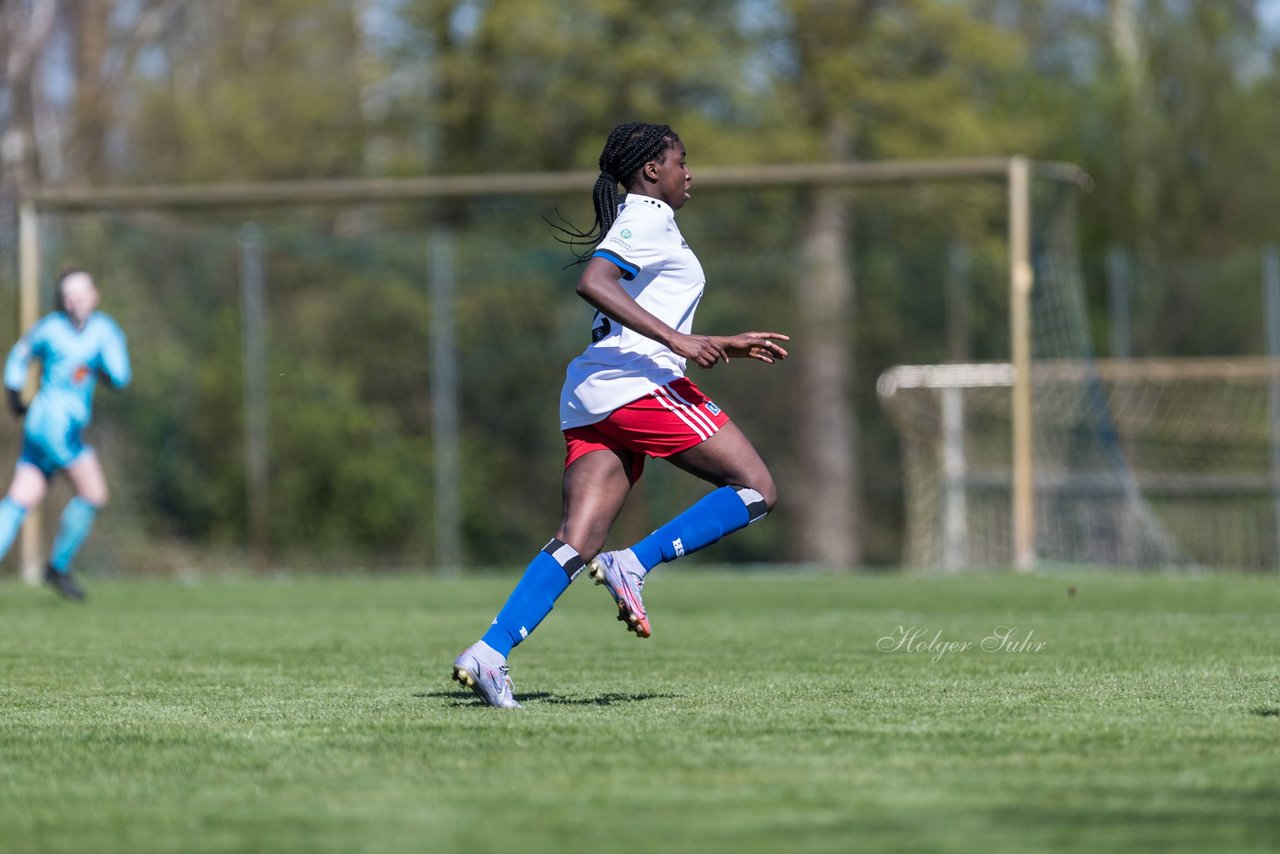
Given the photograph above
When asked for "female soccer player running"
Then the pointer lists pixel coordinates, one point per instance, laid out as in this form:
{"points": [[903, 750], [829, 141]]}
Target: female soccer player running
{"points": [[74, 345], [627, 397]]}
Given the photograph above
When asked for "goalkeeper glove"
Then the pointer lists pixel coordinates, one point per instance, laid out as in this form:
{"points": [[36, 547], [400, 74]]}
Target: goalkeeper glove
{"points": [[15, 402]]}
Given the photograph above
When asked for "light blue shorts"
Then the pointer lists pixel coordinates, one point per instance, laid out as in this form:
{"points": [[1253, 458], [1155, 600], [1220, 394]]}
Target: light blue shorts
{"points": [[51, 453]]}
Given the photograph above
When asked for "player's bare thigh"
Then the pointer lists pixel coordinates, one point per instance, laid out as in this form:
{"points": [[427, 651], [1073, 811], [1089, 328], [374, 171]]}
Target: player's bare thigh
{"points": [[596, 486], [729, 459], [86, 475], [29, 485]]}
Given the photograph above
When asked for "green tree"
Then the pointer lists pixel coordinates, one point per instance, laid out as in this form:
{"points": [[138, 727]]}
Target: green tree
{"points": [[1171, 107], [867, 81], [248, 91], [536, 84]]}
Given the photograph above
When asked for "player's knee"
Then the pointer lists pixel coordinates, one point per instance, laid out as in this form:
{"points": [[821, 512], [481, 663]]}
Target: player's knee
{"points": [[758, 502], [94, 497], [759, 481], [764, 486], [27, 495], [587, 545]]}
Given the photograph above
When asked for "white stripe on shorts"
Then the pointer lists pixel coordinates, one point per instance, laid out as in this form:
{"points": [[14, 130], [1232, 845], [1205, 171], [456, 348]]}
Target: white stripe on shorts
{"points": [[683, 416], [692, 408], [698, 422]]}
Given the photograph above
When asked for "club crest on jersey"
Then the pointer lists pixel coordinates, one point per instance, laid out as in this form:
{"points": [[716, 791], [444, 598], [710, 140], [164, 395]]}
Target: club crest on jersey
{"points": [[712, 408], [602, 331]]}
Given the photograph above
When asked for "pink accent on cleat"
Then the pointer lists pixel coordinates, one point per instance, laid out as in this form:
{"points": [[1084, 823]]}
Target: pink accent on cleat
{"points": [[623, 576]]}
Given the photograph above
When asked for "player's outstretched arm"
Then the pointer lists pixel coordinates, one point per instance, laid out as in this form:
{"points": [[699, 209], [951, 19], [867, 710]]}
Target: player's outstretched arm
{"points": [[115, 365], [762, 346]]}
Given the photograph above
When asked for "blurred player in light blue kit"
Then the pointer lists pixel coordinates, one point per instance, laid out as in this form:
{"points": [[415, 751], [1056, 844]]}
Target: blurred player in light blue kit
{"points": [[75, 346]]}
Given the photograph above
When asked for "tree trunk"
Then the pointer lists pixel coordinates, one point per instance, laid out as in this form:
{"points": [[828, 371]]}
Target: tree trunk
{"points": [[86, 162], [25, 33], [826, 500], [1135, 136]]}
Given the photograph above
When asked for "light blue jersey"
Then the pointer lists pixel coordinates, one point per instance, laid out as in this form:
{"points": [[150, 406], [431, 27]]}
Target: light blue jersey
{"points": [[71, 360]]}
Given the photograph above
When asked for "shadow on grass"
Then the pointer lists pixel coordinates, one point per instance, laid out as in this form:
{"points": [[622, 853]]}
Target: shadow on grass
{"points": [[466, 698], [603, 699], [1266, 713]]}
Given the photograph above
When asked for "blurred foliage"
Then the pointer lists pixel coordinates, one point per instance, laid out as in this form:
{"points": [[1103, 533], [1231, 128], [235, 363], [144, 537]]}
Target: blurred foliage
{"points": [[1171, 106]]}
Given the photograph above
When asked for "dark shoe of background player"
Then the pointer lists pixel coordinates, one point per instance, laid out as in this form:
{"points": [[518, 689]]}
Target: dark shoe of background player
{"points": [[64, 584]]}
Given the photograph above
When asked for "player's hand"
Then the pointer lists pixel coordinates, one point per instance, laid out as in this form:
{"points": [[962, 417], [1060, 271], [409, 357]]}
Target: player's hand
{"points": [[15, 402], [706, 350], [756, 345], [106, 379]]}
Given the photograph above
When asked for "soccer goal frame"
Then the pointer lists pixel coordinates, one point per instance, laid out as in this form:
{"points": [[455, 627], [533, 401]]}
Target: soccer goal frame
{"points": [[1017, 172]]}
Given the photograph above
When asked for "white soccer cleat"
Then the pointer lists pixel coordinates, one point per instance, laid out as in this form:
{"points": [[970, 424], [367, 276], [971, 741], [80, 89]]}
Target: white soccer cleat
{"points": [[484, 670], [623, 576]]}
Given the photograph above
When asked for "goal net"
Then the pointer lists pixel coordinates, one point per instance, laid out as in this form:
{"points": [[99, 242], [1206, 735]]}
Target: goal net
{"points": [[1137, 463], [1183, 468]]}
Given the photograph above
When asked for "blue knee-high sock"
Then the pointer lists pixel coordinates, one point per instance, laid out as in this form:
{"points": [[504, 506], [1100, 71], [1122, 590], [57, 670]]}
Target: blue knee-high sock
{"points": [[11, 515], [722, 512], [547, 576], [77, 522]]}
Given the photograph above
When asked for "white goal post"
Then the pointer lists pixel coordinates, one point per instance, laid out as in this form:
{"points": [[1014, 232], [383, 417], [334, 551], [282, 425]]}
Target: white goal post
{"points": [[1140, 462]]}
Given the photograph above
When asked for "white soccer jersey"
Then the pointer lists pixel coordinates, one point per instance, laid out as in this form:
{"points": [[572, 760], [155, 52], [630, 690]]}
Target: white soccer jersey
{"points": [[662, 274]]}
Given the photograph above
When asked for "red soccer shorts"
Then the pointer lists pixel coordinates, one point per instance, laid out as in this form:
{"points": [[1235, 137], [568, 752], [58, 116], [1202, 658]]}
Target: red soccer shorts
{"points": [[668, 420]]}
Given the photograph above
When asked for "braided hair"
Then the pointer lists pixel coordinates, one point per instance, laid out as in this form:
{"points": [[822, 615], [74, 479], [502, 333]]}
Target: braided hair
{"points": [[630, 146]]}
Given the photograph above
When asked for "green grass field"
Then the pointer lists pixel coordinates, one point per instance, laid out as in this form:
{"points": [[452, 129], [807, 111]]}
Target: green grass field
{"points": [[768, 713]]}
